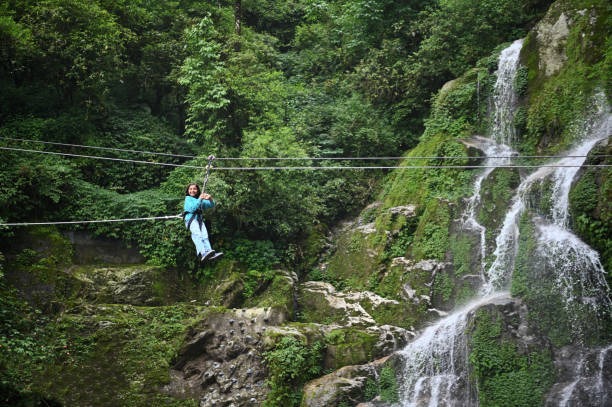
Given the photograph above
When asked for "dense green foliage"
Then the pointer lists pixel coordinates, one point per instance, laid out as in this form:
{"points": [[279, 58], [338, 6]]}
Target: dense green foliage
{"points": [[57, 350], [590, 215], [291, 364], [506, 375], [178, 77], [386, 386]]}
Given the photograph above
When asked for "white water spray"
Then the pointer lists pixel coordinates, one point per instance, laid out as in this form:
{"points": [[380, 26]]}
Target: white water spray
{"points": [[436, 366], [497, 154], [562, 173], [497, 148], [586, 380], [436, 363], [504, 95]]}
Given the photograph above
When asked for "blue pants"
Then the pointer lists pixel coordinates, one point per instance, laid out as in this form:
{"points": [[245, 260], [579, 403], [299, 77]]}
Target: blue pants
{"points": [[199, 237]]}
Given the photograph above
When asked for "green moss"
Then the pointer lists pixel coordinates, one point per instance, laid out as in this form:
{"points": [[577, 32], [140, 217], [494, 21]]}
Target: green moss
{"points": [[534, 280], [505, 375], [463, 248], [402, 239], [353, 261], [431, 238], [130, 347], [591, 208], [443, 286], [279, 293], [496, 196], [349, 346], [556, 102], [39, 271], [314, 309], [417, 185], [521, 80], [311, 248], [455, 108]]}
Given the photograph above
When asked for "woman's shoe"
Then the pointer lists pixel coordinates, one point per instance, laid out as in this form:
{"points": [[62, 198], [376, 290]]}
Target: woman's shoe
{"points": [[216, 256], [208, 255]]}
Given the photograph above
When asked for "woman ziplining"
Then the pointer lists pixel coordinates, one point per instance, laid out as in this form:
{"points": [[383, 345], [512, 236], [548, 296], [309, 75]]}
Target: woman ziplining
{"points": [[196, 202]]}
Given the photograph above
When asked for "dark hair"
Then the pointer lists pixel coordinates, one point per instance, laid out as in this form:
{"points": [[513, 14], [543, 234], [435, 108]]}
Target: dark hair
{"points": [[187, 189]]}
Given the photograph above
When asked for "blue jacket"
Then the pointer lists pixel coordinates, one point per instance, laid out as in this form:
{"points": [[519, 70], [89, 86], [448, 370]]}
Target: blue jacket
{"points": [[193, 206]]}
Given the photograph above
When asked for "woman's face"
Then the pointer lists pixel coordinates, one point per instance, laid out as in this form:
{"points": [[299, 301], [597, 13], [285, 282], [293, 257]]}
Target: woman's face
{"points": [[193, 190]]}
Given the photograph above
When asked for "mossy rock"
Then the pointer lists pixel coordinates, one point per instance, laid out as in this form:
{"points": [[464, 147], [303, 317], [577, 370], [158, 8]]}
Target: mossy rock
{"points": [[354, 259], [349, 346], [498, 357], [278, 293], [227, 292], [38, 269], [115, 355], [315, 305], [497, 193], [140, 285], [556, 98]]}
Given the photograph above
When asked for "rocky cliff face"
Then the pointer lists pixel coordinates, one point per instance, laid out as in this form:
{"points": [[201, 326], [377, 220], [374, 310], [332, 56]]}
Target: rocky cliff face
{"points": [[210, 352]]}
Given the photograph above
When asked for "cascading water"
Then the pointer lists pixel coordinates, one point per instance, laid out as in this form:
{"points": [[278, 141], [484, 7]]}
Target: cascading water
{"points": [[577, 266], [436, 369], [561, 173], [497, 148], [435, 364], [496, 155], [585, 379], [504, 95]]}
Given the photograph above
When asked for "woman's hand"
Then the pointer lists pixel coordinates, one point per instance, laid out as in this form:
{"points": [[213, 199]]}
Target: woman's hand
{"points": [[206, 196]]}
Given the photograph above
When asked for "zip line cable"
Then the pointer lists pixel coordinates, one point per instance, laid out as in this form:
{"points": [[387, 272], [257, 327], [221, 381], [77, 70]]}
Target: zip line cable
{"points": [[73, 222], [292, 158], [212, 157], [95, 157], [313, 168], [96, 147]]}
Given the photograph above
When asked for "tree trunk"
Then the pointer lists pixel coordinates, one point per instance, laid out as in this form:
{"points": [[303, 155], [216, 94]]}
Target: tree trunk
{"points": [[238, 15]]}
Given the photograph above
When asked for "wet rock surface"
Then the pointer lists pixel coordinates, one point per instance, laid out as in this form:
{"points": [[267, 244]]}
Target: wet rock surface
{"points": [[584, 377]]}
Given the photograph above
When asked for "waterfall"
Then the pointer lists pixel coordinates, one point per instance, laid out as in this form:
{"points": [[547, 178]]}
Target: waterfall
{"points": [[504, 95], [578, 272], [598, 128], [579, 275], [496, 155], [436, 363], [436, 366], [497, 148], [562, 172]]}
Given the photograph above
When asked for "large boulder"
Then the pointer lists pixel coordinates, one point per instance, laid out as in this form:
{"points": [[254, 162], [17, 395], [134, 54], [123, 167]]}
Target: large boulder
{"points": [[346, 385]]}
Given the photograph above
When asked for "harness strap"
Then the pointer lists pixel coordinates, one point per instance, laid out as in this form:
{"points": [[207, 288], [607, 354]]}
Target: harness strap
{"points": [[198, 216]]}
